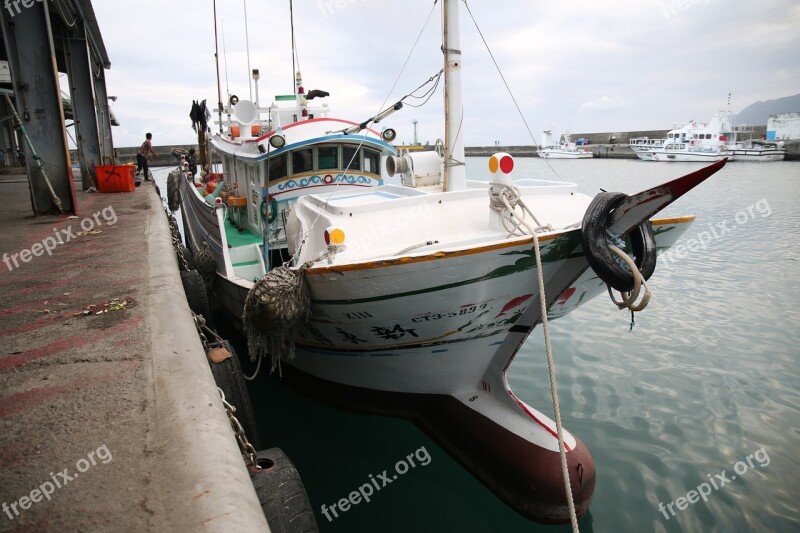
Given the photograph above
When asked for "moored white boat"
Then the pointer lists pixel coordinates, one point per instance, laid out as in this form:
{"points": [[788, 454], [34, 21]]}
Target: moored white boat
{"points": [[693, 142], [757, 150], [419, 295], [565, 149], [700, 142]]}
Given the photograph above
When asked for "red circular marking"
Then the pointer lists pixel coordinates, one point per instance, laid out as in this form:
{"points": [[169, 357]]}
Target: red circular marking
{"points": [[507, 164], [328, 178]]}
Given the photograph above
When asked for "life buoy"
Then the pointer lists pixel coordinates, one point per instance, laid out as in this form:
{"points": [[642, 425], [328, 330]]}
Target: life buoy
{"points": [[269, 209], [595, 244]]}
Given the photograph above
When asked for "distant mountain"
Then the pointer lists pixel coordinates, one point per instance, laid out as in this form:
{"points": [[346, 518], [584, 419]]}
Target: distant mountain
{"points": [[758, 113]]}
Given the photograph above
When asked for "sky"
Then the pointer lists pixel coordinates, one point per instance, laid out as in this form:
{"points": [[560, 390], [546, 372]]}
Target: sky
{"points": [[580, 65]]}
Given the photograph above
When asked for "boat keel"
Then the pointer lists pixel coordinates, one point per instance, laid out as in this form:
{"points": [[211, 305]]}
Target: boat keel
{"points": [[525, 475]]}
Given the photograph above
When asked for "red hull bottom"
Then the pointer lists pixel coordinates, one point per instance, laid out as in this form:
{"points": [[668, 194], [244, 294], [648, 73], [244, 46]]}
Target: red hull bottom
{"points": [[525, 476]]}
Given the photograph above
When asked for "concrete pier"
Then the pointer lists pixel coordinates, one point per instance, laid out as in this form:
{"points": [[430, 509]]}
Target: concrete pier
{"points": [[109, 416]]}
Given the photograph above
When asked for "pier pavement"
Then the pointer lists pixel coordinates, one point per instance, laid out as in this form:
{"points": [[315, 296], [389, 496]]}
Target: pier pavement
{"points": [[109, 417]]}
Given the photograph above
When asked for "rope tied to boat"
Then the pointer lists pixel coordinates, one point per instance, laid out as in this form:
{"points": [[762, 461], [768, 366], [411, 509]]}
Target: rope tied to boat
{"points": [[504, 198], [606, 255], [275, 306]]}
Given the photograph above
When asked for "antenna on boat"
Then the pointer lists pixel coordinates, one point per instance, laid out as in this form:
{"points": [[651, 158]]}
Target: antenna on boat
{"points": [[225, 57], [216, 58], [295, 60], [247, 44]]}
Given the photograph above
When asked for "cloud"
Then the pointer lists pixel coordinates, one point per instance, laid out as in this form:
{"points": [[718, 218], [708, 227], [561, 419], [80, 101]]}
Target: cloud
{"points": [[605, 103], [582, 65]]}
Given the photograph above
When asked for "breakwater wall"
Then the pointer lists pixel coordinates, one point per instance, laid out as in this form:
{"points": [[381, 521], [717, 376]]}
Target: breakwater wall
{"points": [[614, 145], [607, 145]]}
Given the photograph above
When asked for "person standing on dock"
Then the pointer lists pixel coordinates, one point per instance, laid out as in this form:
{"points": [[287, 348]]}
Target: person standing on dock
{"points": [[145, 152]]}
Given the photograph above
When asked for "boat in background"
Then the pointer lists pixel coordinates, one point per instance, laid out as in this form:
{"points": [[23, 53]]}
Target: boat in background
{"points": [[758, 150], [750, 149], [708, 142], [695, 142], [644, 145], [565, 149], [413, 299]]}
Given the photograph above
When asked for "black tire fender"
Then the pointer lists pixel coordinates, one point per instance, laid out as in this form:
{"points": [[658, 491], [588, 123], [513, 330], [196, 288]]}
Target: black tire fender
{"points": [[189, 257], [229, 377], [196, 295], [595, 243], [282, 494], [173, 191]]}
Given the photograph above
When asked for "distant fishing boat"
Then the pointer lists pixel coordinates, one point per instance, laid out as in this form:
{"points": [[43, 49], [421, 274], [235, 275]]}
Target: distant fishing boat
{"points": [[757, 150], [694, 142], [565, 149], [710, 142], [414, 298]]}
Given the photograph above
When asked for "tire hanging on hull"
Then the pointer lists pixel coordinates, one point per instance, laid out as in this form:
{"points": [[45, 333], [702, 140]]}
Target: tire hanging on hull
{"points": [[173, 192], [595, 240]]}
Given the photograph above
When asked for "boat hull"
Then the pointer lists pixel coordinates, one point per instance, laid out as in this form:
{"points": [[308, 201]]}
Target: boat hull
{"points": [[564, 154], [686, 156], [745, 154], [527, 477]]}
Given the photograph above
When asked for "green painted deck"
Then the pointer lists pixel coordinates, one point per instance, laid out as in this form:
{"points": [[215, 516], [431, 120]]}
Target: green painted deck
{"points": [[238, 238]]}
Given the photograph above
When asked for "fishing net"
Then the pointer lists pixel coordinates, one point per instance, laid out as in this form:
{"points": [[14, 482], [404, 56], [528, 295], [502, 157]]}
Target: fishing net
{"points": [[274, 307]]}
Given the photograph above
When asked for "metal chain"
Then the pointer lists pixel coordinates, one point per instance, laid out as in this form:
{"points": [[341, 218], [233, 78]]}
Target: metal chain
{"points": [[247, 449], [176, 241], [200, 324]]}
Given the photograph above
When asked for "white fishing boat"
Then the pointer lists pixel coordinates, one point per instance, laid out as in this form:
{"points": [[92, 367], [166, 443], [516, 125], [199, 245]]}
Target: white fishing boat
{"points": [[565, 149], [757, 150], [750, 149], [413, 298], [695, 142], [644, 145], [701, 142]]}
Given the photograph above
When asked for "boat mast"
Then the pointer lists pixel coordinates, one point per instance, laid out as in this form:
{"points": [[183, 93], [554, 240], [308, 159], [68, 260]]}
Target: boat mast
{"points": [[247, 42], [216, 58], [455, 175]]}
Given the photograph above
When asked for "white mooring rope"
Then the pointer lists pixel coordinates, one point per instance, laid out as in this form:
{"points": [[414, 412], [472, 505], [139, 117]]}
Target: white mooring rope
{"points": [[508, 194], [553, 388]]}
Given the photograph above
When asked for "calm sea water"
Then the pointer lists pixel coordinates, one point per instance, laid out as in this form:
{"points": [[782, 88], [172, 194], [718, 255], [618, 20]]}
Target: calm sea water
{"points": [[708, 376]]}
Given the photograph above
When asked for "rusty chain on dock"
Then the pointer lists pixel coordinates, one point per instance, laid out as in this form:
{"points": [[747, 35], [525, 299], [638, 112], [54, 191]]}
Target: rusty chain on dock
{"points": [[247, 449]]}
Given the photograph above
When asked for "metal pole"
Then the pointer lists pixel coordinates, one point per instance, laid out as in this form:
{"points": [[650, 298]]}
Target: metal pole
{"points": [[18, 124], [454, 169], [247, 43], [216, 57]]}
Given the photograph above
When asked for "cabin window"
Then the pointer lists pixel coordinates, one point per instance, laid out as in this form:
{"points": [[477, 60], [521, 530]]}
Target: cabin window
{"points": [[277, 167], [350, 158], [302, 161], [372, 162], [327, 157]]}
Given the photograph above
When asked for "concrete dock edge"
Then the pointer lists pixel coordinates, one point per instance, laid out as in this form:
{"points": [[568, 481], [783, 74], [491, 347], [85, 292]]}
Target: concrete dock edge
{"points": [[213, 491]]}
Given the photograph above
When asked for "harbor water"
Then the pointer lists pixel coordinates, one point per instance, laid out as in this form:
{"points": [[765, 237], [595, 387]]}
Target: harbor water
{"points": [[692, 417]]}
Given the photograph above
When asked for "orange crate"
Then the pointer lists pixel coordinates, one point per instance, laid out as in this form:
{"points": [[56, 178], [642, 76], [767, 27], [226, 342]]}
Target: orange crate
{"points": [[115, 178]]}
